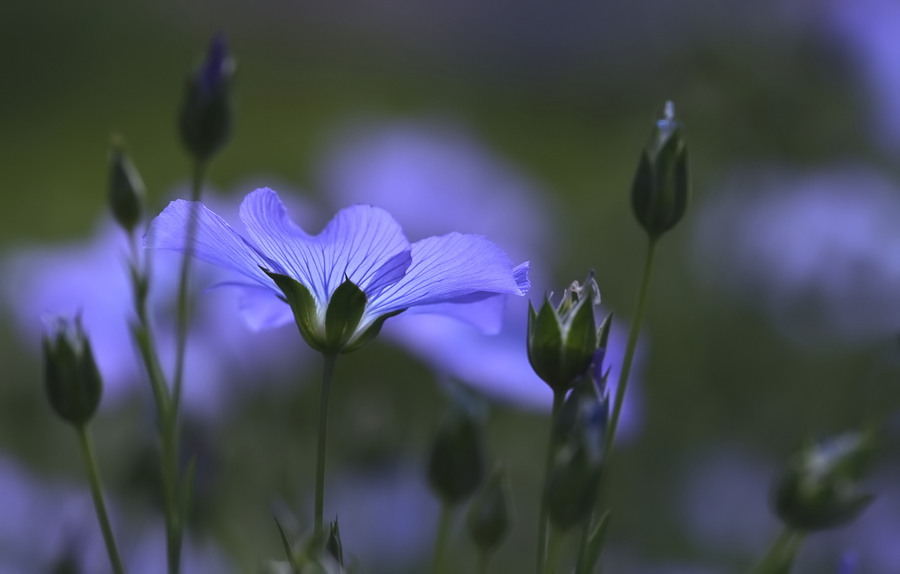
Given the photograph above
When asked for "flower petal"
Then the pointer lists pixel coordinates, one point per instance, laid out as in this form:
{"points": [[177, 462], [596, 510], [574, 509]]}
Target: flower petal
{"points": [[451, 267], [214, 242], [362, 243]]}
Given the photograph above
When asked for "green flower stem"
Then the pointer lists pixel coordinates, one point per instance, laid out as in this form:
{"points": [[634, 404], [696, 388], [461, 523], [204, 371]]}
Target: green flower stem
{"points": [[97, 494], [559, 398], [324, 391], [483, 560], [780, 557], [630, 348], [184, 284], [553, 546], [140, 277], [443, 534]]}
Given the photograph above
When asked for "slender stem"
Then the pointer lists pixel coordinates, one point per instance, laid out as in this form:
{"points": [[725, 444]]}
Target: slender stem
{"points": [[559, 398], [184, 284], [630, 348], [442, 534], [324, 391], [483, 559], [553, 545], [780, 557], [97, 494]]}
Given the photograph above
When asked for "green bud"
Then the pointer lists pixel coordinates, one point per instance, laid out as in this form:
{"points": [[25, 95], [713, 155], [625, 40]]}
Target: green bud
{"points": [[126, 189], [71, 377], [586, 410], [333, 546], [206, 112], [562, 339], [820, 487], [488, 518], [456, 463], [573, 483], [661, 189]]}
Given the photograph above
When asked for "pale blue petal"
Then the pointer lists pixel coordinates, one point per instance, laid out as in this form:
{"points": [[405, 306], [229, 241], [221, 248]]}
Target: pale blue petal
{"points": [[362, 243], [451, 267], [485, 312], [260, 307], [214, 242]]}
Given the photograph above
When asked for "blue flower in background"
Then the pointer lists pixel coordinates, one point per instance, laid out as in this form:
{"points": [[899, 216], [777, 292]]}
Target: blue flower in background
{"points": [[88, 277], [362, 245]]}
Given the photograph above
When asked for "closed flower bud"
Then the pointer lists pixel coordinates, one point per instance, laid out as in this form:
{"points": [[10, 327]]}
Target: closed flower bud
{"points": [[126, 190], [573, 482], [661, 188], [456, 464], [488, 518], [586, 410], [71, 377], [820, 488], [206, 112], [562, 340]]}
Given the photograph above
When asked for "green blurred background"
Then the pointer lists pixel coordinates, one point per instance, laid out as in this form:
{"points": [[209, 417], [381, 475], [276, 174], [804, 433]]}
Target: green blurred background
{"points": [[568, 96]]}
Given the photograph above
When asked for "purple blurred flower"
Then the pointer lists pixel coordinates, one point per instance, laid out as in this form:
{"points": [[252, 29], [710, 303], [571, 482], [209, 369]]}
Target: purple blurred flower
{"points": [[90, 278], [435, 176], [387, 517], [44, 521], [818, 252], [362, 244], [868, 29]]}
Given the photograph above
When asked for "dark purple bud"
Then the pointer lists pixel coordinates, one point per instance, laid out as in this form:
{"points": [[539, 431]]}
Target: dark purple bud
{"points": [[205, 119]]}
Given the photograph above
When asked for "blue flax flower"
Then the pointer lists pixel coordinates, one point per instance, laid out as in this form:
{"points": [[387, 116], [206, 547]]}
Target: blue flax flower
{"points": [[344, 282]]}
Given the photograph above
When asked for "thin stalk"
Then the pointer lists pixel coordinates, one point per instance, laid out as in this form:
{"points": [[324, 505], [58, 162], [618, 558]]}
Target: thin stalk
{"points": [[97, 494], [184, 284], [169, 429], [443, 534], [633, 333], [553, 545], [483, 560], [142, 332], [780, 557], [559, 398], [324, 392]]}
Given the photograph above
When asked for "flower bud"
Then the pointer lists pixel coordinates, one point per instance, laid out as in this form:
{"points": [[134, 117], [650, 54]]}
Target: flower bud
{"points": [[71, 377], [126, 189], [573, 481], [206, 112], [488, 518], [562, 340], [820, 487], [661, 188], [586, 410], [456, 464]]}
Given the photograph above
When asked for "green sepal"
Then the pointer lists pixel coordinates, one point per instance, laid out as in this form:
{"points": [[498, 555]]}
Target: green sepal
{"points": [[544, 342], [580, 343], [304, 308], [603, 332], [345, 309], [286, 545], [334, 546], [370, 333]]}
